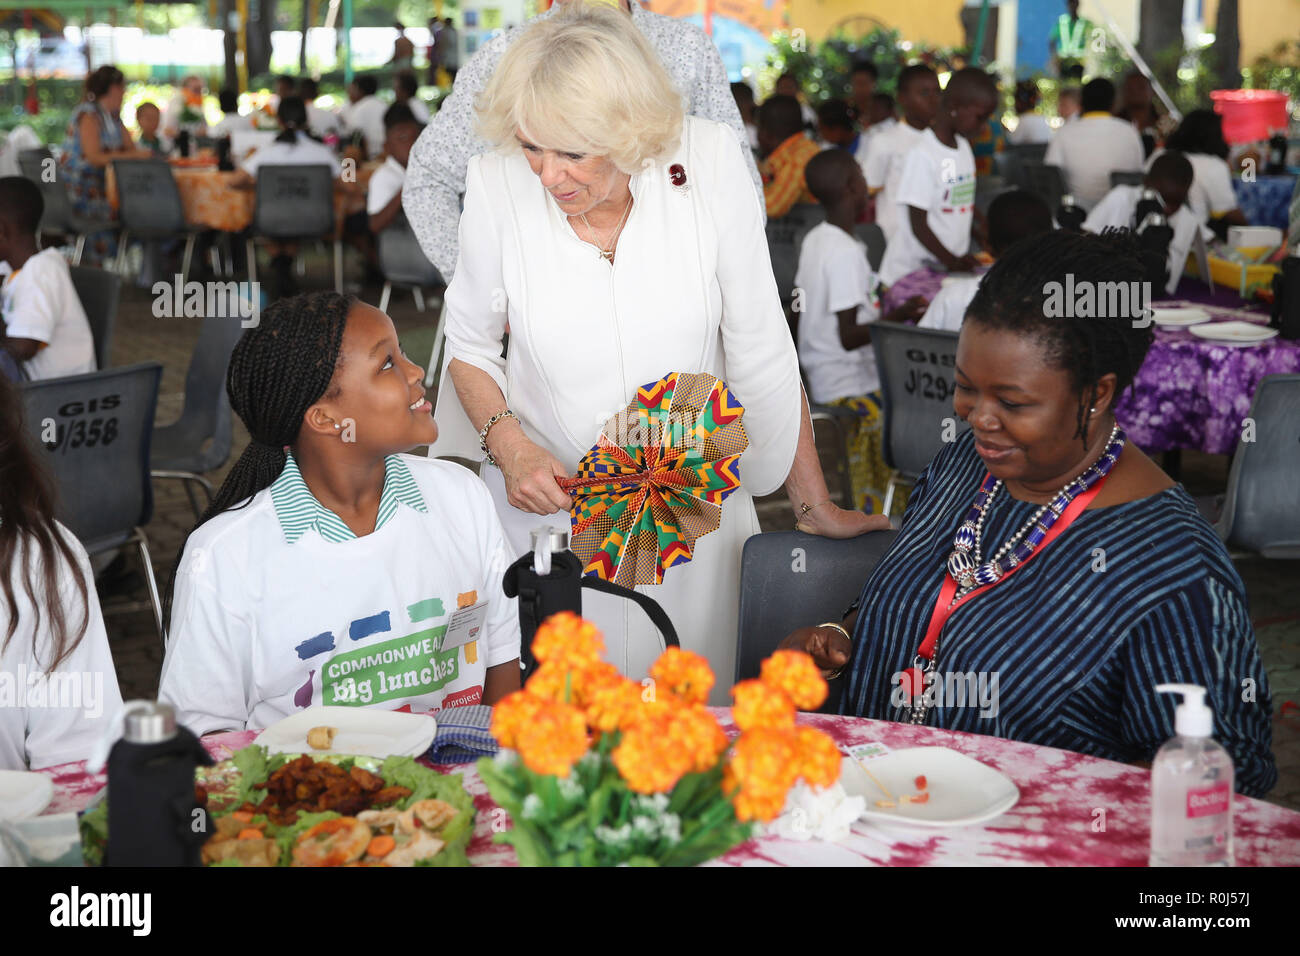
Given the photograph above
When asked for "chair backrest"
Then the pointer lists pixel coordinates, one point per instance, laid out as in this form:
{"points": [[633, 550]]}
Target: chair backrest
{"points": [[1124, 177], [207, 412], [916, 387], [1261, 511], [1027, 152], [784, 237], [874, 237], [294, 202], [790, 580], [1045, 182], [401, 259], [149, 202], [58, 213], [92, 431], [989, 188], [99, 292]]}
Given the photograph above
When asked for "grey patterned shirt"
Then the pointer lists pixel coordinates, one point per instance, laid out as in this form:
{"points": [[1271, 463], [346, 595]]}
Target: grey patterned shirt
{"points": [[435, 172]]}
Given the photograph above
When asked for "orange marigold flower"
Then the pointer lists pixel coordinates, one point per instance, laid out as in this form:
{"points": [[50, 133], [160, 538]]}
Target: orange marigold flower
{"points": [[761, 705], [513, 712], [548, 682], [553, 740], [588, 680], [650, 758], [700, 735], [612, 705], [763, 767], [819, 758], [569, 639], [684, 673], [795, 673]]}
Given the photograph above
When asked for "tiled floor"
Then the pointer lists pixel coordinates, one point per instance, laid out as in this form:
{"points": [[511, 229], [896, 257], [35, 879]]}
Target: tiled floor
{"points": [[1271, 585]]}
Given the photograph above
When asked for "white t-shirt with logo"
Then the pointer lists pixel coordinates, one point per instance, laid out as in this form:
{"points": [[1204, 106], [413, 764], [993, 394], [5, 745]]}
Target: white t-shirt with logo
{"points": [[1117, 209], [942, 181], [948, 307], [40, 302], [262, 629], [833, 275], [883, 168], [1089, 150]]}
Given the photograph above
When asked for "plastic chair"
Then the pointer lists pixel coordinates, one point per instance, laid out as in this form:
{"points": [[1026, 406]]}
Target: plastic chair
{"points": [[916, 385], [404, 263], [874, 238], [790, 580], [295, 203], [150, 207], [102, 424], [100, 292], [1010, 163], [59, 216], [989, 188], [1124, 177], [1045, 182], [1261, 511], [784, 237], [200, 440]]}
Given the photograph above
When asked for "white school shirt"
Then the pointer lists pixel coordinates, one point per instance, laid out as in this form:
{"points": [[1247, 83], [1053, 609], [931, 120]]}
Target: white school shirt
{"points": [[270, 617], [322, 122], [1030, 128], [303, 151], [942, 181], [49, 719], [418, 109], [884, 168], [1117, 209], [1089, 150], [949, 305], [229, 123], [384, 185], [366, 115], [1211, 193], [834, 275], [40, 302]]}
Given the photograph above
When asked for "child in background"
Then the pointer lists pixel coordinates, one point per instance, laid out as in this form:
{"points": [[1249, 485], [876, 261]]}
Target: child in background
{"points": [[1171, 176], [1069, 104], [936, 192], [44, 325], [147, 120], [836, 129], [918, 94], [787, 84], [743, 94], [1012, 216], [384, 192], [786, 151], [405, 89], [231, 120], [1031, 126], [839, 298]]}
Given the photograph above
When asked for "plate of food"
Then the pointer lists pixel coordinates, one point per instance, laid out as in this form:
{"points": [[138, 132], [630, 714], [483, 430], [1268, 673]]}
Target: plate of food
{"points": [[928, 787], [1179, 318], [359, 731], [265, 809], [1234, 333]]}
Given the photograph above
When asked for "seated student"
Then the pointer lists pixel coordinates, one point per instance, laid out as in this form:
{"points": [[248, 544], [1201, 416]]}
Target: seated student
{"points": [[840, 299], [1031, 126], [1095, 145], [786, 151], [1069, 104], [285, 86], [147, 120], [293, 147], [406, 86], [936, 191], [329, 565], [1212, 200], [231, 120], [384, 192], [836, 129], [364, 114], [1171, 176], [743, 94], [320, 123], [918, 95], [52, 640], [44, 325], [1079, 653], [1012, 216], [787, 84]]}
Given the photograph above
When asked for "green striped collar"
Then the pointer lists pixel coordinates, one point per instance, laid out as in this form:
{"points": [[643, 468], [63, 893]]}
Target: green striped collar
{"points": [[299, 511]]}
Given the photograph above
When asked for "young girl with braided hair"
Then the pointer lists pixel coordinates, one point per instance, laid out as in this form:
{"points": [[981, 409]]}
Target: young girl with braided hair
{"points": [[329, 565]]}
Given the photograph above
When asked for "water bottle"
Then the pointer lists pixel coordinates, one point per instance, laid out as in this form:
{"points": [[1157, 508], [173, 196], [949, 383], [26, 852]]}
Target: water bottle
{"points": [[1286, 297], [1191, 789], [1154, 236], [1276, 154], [1150, 204], [153, 818]]}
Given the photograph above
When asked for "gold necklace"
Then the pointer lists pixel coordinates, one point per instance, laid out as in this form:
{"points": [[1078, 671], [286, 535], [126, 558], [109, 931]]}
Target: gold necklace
{"points": [[612, 240]]}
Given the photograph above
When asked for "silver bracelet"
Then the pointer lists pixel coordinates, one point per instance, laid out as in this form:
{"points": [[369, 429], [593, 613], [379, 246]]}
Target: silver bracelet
{"points": [[847, 636], [483, 434]]}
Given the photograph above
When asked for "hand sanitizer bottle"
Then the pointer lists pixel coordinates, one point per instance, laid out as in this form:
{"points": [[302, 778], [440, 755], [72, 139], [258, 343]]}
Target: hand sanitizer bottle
{"points": [[1191, 789]]}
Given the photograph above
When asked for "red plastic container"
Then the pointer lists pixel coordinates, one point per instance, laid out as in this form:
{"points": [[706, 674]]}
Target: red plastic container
{"points": [[1250, 115]]}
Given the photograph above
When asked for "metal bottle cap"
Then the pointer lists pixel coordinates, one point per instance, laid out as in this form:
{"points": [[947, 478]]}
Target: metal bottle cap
{"points": [[1067, 200], [1149, 193], [546, 542], [148, 722]]}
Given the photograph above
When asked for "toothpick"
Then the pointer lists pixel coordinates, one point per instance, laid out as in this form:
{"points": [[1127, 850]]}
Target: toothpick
{"points": [[873, 778]]}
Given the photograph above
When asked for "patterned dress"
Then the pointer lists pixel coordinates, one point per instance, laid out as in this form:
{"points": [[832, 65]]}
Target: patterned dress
{"points": [[85, 183], [1067, 651]]}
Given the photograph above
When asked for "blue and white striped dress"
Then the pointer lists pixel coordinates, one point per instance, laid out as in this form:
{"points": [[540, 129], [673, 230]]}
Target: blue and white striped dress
{"points": [[1076, 650]]}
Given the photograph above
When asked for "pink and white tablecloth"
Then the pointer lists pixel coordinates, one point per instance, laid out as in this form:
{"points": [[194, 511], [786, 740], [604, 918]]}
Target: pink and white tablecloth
{"points": [[1073, 810]]}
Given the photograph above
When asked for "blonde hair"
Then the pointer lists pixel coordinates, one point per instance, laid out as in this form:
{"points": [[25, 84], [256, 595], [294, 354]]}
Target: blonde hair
{"points": [[583, 80]]}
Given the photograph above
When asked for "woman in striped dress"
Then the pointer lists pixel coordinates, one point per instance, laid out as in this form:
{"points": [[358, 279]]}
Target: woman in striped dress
{"points": [[1062, 641]]}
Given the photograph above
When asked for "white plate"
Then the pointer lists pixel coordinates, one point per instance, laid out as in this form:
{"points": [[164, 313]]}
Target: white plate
{"points": [[1235, 333], [24, 794], [962, 791], [1179, 317], [361, 730]]}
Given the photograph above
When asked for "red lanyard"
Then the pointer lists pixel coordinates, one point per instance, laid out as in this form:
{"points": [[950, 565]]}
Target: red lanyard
{"points": [[913, 679]]}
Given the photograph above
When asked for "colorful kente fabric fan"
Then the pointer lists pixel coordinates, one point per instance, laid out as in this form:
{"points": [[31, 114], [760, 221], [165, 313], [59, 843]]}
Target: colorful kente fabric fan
{"points": [[656, 479]]}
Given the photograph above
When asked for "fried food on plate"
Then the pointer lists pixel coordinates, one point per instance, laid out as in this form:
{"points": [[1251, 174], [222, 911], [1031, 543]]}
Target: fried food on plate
{"points": [[321, 738]]}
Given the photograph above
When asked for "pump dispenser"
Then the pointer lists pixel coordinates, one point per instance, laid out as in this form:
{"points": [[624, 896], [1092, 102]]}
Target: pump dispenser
{"points": [[1191, 789]]}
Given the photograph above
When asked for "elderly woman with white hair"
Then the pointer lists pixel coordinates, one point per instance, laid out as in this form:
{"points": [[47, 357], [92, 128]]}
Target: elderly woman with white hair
{"points": [[621, 240]]}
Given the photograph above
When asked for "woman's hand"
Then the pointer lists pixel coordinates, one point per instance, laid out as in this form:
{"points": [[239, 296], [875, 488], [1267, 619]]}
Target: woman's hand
{"points": [[828, 648], [530, 472], [831, 521]]}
